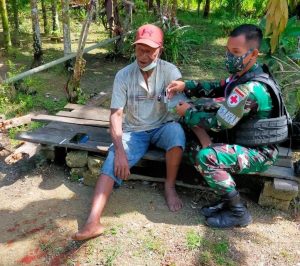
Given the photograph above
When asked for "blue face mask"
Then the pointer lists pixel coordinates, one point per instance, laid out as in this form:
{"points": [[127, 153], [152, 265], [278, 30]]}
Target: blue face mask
{"points": [[234, 64], [152, 65]]}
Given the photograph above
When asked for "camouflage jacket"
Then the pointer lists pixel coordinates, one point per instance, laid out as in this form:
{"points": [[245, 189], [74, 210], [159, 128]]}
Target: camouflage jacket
{"points": [[244, 100]]}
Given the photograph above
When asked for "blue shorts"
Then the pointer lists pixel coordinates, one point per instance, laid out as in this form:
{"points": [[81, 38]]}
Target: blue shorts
{"points": [[136, 144]]}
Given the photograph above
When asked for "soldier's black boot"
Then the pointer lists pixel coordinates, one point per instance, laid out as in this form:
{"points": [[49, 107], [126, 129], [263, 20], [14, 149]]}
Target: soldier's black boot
{"points": [[236, 214], [214, 208]]}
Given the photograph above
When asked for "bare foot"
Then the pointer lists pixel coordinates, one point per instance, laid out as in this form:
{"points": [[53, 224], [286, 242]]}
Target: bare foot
{"points": [[173, 201], [89, 231]]}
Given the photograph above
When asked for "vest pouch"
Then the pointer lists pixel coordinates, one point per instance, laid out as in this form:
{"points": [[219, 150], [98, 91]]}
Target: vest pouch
{"points": [[258, 132]]}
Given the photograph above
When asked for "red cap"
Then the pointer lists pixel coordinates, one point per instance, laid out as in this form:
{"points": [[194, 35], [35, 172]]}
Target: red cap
{"points": [[150, 35]]}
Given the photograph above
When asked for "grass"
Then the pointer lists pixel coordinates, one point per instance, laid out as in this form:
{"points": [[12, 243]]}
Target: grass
{"points": [[153, 243], [110, 254], [13, 132], [212, 250]]}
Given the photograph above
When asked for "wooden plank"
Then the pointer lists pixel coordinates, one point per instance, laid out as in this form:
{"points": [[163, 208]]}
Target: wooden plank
{"points": [[285, 152], [71, 107], [27, 150], [15, 122], [159, 179], [59, 134], [281, 173], [48, 118], [94, 133], [99, 115]]}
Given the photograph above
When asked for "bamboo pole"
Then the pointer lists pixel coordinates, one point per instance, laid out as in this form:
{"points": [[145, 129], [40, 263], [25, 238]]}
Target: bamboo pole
{"points": [[57, 61]]}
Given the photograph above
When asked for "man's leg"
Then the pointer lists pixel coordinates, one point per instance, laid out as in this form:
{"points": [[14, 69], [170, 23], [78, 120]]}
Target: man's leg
{"points": [[216, 164], [135, 145], [170, 137], [173, 159], [93, 226], [202, 136]]}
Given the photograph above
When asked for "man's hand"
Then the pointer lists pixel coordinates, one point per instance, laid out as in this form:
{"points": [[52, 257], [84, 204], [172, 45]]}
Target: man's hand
{"points": [[174, 87], [182, 107], [121, 168]]}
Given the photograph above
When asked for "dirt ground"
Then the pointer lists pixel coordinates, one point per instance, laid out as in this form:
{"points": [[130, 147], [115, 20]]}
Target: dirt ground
{"points": [[41, 208]]}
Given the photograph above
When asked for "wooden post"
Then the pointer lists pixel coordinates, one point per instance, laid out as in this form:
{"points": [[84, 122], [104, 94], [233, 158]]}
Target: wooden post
{"points": [[73, 85]]}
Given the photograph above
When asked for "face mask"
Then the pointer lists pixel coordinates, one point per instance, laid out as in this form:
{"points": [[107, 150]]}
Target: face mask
{"points": [[234, 64], [152, 65]]}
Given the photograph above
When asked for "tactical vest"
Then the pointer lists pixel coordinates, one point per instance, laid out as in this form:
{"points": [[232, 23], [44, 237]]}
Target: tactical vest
{"points": [[251, 131]]}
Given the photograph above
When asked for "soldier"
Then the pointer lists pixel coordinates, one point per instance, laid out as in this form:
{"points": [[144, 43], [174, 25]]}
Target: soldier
{"points": [[252, 103]]}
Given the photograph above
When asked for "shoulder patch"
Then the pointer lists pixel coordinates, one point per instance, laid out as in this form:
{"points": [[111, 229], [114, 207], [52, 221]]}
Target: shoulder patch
{"points": [[235, 97]]}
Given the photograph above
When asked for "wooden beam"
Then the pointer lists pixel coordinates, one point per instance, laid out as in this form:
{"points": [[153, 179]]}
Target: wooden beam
{"points": [[88, 122], [158, 179], [98, 115], [58, 61], [15, 122], [26, 151]]}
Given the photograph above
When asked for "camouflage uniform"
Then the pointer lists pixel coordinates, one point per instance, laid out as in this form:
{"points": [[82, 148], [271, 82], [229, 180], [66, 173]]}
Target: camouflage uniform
{"points": [[217, 162]]}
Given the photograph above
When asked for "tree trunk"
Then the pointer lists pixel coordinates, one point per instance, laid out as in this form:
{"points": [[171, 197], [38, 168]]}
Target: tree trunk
{"points": [[174, 12], [55, 22], [37, 42], [66, 26], [15, 8], [206, 9], [128, 7], [6, 33], [66, 31], [198, 7], [73, 86], [45, 20]]}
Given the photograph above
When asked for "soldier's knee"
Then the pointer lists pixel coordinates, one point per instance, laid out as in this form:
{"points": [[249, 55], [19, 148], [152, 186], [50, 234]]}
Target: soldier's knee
{"points": [[206, 157]]}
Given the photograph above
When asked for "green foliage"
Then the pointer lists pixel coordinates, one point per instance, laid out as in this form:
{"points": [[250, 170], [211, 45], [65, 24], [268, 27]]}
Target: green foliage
{"points": [[78, 14], [288, 40], [194, 240], [178, 43], [110, 255], [283, 62], [227, 25], [81, 96], [213, 252], [24, 95], [13, 132]]}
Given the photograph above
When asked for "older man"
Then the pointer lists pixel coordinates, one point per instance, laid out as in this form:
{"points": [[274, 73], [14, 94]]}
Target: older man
{"points": [[137, 92]]}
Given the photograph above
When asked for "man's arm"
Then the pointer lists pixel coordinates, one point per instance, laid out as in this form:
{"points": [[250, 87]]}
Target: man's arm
{"points": [[228, 115], [209, 89], [121, 169]]}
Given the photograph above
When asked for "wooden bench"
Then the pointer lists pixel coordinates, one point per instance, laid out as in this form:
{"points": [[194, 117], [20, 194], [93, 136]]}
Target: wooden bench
{"points": [[280, 186]]}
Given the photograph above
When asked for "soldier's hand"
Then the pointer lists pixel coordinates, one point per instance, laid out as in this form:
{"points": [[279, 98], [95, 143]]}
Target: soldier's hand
{"points": [[182, 107], [174, 87]]}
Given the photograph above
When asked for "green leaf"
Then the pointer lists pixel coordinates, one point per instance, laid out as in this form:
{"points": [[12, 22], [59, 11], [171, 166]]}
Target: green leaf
{"points": [[292, 32], [295, 56]]}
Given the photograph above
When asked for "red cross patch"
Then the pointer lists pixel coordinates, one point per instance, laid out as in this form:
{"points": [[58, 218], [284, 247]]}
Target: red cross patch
{"points": [[233, 100]]}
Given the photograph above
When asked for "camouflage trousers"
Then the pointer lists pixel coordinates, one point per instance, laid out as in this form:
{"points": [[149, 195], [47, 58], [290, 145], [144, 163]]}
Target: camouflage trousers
{"points": [[217, 162]]}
